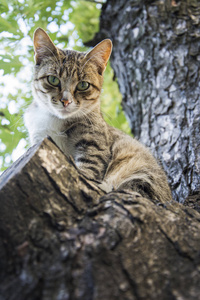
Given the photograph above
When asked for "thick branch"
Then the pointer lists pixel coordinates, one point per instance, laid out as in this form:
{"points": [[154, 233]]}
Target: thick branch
{"points": [[62, 238]]}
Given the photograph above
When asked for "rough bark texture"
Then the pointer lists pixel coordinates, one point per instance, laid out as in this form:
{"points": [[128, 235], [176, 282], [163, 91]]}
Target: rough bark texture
{"points": [[62, 238], [156, 59]]}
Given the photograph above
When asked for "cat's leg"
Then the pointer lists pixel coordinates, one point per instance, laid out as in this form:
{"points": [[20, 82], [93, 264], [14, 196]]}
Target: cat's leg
{"points": [[139, 173], [146, 183]]}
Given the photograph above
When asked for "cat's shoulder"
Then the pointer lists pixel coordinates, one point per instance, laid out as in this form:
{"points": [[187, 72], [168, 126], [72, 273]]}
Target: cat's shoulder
{"points": [[119, 134], [122, 140]]}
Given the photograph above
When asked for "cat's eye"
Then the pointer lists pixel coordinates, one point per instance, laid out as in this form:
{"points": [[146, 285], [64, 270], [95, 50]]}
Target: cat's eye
{"points": [[53, 80], [82, 86]]}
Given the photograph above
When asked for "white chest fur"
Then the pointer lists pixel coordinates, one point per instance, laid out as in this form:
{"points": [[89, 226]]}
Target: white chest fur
{"points": [[41, 124]]}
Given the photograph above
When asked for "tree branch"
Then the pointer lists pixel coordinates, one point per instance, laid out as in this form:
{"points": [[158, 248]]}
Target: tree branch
{"points": [[61, 235]]}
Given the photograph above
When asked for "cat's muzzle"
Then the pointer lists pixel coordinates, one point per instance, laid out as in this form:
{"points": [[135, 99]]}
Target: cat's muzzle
{"points": [[65, 102]]}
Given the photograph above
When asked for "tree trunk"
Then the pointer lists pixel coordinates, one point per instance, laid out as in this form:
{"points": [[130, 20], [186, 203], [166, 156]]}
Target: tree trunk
{"points": [[156, 59], [62, 238]]}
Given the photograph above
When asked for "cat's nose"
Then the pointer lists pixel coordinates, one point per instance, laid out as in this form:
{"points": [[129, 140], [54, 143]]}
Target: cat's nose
{"points": [[65, 102]]}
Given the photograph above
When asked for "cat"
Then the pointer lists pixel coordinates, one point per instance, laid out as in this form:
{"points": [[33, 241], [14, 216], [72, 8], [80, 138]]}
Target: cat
{"points": [[66, 87]]}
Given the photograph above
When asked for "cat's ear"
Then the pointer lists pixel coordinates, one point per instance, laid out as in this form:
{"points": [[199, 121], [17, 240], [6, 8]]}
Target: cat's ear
{"points": [[101, 54], [43, 45]]}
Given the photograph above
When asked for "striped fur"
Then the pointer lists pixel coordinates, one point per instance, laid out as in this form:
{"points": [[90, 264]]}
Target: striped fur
{"points": [[103, 154]]}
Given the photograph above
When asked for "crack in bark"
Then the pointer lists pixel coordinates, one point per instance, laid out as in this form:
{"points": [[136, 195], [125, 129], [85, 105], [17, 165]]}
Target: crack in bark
{"points": [[176, 246], [58, 190], [132, 283]]}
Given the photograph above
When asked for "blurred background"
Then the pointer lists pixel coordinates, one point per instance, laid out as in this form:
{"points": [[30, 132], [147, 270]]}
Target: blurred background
{"points": [[70, 24]]}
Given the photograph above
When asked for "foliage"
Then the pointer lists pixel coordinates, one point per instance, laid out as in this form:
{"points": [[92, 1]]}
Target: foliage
{"points": [[70, 24]]}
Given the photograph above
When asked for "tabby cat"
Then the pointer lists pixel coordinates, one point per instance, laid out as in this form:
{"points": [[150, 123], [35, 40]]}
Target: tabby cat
{"points": [[66, 107]]}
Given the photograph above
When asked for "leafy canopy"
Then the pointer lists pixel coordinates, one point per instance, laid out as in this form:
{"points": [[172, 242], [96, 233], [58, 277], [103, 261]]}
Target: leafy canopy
{"points": [[70, 24]]}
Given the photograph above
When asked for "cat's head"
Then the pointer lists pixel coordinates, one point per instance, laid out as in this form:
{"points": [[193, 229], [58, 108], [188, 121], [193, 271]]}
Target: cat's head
{"points": [[67, 82]]}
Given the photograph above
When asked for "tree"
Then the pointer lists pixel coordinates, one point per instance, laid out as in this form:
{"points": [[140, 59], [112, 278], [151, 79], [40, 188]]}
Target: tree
{"points": [[156, 62], [62, 237]]}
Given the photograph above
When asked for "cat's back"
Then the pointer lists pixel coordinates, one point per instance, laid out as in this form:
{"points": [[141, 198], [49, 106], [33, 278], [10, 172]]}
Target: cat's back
{"points": [[133, 166], [124, 143]]}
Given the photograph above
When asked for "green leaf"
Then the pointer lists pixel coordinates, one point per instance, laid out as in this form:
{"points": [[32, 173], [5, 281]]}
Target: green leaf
{"points": [[5, 25], [85, 16], [10, 64], [3, 6]]}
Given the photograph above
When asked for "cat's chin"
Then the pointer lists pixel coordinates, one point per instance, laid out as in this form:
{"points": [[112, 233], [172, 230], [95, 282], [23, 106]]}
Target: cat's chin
{"points": [[64, 114]]}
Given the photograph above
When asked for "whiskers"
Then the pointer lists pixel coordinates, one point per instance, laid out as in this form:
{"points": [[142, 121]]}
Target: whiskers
{"points": [[87, 116], [110, 118], [79, 114], [54, 101]]}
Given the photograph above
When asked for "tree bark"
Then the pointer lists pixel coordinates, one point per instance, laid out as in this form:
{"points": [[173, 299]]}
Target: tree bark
{"points": [[156, 59], [63, 238]]}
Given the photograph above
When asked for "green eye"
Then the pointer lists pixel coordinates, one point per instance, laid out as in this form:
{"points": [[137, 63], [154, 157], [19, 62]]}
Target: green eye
{"points": [[82, 86], [53, 80]]}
